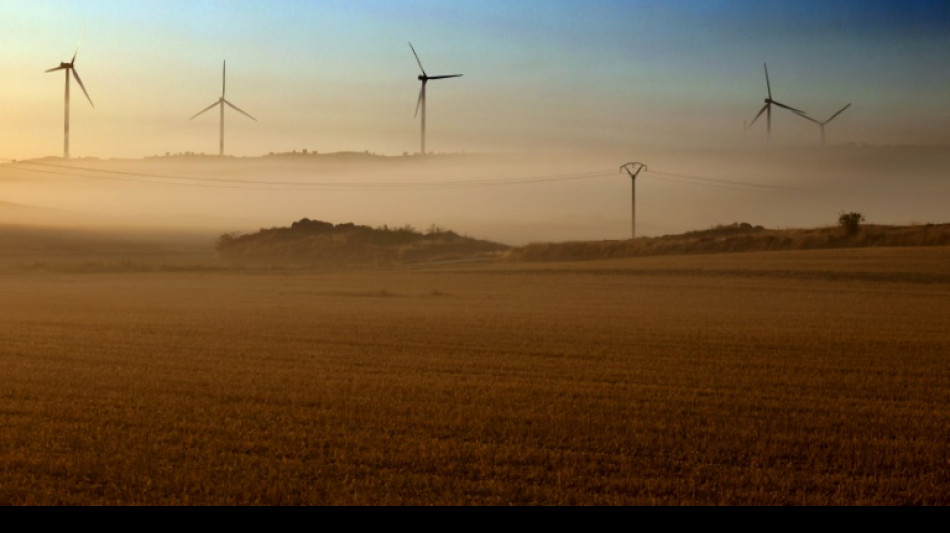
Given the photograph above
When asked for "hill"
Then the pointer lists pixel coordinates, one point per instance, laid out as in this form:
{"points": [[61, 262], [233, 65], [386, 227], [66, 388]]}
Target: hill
{"points": [[308, 243], [737, 237]]}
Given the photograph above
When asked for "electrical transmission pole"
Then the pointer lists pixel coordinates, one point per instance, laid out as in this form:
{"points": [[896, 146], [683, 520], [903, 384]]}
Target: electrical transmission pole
{"points": [[633, 169]]}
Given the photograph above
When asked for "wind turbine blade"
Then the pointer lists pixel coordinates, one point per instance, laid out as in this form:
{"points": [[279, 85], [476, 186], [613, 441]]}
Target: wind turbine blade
{"points": [[81, 86], [838, 113], [443, 77], [759, 114], [803, 115], [417, 60], [422, 95], [224, 66], [78, 44], [767, 84], [799, 111], [239, 110], [205, 109], [55, 69]]}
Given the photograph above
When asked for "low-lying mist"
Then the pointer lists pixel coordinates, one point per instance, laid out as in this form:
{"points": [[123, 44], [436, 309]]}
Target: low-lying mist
{"points": [[514, 199]]}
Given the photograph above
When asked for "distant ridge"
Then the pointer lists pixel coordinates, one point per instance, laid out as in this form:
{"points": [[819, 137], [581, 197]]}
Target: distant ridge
{"points": [[939, 151]]}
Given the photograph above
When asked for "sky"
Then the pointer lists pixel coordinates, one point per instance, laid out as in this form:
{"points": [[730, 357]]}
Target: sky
{"points": [[539, 75]]}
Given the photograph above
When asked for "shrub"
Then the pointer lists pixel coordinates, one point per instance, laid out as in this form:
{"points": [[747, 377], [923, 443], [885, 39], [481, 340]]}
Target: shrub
{"points": [[850, 222]]}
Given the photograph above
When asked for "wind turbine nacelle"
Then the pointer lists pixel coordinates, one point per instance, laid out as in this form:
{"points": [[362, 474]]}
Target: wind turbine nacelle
{"points": [[420, 77]]}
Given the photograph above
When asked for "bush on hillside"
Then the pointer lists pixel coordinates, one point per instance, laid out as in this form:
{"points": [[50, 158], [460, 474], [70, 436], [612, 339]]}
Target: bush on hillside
{"points": [[851, 222]]}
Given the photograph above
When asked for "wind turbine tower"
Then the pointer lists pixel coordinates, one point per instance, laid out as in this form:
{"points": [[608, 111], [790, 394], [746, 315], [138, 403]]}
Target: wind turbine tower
{"points": [[633, 170], [70, 67], [424, 78], [222, 102]]}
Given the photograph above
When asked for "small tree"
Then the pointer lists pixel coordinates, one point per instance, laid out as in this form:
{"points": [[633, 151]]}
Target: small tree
{"points": [[850, 222]]}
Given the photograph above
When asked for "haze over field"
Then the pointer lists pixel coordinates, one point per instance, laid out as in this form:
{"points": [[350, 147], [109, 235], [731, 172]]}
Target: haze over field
{"points": [[570, 88], [511, 199]]}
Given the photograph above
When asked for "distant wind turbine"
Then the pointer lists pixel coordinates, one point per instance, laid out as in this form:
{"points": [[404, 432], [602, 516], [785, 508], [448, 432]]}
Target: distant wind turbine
{"points": [[767, 108], [424, 78], [825, 123], [70, 67], [221, 102]]}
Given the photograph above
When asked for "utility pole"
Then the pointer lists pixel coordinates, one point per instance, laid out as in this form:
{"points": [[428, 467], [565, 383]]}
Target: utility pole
{"points": [[633, 170]]}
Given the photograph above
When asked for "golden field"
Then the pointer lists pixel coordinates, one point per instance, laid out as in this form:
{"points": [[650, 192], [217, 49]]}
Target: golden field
{"points": [[788, 377]]}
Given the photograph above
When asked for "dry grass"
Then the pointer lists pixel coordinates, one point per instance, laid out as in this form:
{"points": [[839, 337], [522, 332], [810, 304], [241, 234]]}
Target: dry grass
{"points": [[721, 379]]}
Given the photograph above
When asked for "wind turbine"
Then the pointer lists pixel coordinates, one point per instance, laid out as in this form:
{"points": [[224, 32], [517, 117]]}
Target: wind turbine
{"points": [[823, 124], [767, 108], [221, 102], [70, 67], [424, 78]]}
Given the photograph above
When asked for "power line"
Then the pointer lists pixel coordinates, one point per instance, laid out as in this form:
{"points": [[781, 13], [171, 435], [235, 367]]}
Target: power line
{"points": [[144, 177], [111, 178], [282, 185], [721, 183]]}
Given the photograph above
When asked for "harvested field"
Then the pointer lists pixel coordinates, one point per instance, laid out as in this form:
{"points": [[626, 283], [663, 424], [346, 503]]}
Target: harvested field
{"points": [[801, 377]]}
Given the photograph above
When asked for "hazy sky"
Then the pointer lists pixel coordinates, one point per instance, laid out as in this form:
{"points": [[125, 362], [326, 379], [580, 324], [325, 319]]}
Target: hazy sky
{"points": [[551, 75]]}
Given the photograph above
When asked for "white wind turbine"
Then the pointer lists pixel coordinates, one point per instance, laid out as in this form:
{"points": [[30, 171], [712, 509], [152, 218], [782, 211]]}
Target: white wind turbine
{"points": [[70, 67], [222, 102]]}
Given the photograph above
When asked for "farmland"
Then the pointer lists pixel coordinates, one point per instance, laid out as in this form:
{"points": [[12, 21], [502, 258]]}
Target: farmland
{"points": [[789, 377]]}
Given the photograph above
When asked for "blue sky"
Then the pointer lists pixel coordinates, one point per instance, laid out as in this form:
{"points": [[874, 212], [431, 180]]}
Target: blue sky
{"points": [[338, 75]]}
